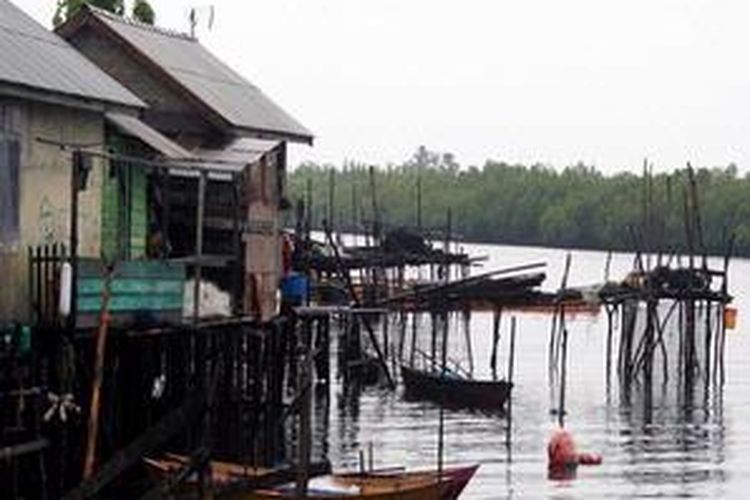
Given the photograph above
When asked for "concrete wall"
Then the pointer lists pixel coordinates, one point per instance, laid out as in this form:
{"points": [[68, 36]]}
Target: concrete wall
{"points": [[45, 198]]}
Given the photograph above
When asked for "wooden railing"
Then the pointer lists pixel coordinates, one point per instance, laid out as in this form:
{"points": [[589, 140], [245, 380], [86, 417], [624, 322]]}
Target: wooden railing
{"points": [[45, 264]]}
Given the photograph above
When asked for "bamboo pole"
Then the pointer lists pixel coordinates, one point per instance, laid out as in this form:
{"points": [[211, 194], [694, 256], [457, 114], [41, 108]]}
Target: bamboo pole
{"points": [[96, 385]]}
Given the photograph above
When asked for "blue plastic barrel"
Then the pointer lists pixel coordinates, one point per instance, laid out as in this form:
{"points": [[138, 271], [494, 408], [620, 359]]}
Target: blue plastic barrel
{"points": [[294, 288]]}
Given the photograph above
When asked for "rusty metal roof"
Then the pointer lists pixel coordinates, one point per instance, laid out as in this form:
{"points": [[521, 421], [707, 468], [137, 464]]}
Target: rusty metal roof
{"points": [[32, 58], [199, 72]]}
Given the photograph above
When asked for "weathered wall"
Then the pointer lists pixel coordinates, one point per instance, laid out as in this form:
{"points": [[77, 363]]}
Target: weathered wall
{"points": [[262, 239], [45, 195]]}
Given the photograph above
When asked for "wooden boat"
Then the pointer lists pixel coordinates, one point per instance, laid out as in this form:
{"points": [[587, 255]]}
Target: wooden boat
{"points": [[455, 389], [237, 481], [454, 481], [388, 485], [229, 480]]}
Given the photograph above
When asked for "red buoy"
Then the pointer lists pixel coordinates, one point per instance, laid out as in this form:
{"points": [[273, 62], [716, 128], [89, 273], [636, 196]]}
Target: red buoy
{"points": [[563, 457], [561, 451]]}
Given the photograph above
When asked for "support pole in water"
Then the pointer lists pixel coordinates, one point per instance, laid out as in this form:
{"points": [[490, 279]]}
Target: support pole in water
{"points": [[495, 339], [511, 365], [441, 420], [563, 377], [466, 316], [610, 308]]}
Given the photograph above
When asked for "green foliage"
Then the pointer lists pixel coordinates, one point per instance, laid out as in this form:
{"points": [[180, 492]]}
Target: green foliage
{"points": [[575, 207], [66, 9], [143, 12]]}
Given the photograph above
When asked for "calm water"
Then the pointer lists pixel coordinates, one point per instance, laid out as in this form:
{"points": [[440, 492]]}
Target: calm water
{"points": [[700, 454]]}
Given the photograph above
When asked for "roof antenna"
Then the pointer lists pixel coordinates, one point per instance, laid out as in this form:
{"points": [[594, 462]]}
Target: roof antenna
{"points": [[196, 12]]}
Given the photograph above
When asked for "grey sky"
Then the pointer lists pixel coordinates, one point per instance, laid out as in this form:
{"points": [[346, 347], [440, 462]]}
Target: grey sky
{"points": [[555, 81]]}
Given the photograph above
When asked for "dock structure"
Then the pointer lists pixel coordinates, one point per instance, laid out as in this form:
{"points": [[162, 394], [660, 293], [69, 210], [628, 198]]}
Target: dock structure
{"points": [[666, 320]]}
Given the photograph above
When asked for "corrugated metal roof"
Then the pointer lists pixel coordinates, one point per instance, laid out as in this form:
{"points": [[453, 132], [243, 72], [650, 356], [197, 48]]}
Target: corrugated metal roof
{"points": [[218, 86], [239, 153], [131, 125], [232, 159], [32, 57]]}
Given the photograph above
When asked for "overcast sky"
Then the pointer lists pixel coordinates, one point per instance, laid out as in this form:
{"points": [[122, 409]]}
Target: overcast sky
{"points": [[553, 81]]}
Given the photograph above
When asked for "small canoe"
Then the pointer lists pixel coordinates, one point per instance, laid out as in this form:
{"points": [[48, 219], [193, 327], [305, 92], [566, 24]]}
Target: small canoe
{"points": [[389, 485], [455, 389]]}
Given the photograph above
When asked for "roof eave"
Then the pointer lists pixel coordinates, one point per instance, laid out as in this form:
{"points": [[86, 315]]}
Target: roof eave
{"points": [[30, 93], [282, 135]]}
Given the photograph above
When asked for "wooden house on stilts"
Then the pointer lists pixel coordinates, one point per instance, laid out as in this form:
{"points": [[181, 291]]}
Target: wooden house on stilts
{"points": [[132, 160]]}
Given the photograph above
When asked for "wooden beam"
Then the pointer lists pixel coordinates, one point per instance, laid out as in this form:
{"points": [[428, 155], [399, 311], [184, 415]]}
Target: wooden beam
{"points": [[153, 437]]}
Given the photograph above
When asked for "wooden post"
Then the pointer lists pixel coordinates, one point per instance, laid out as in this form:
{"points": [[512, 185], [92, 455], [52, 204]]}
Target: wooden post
{"points": [[386, 336], [467, 332], [610, 327], [305, 430], [496, 318], [511, 367], [402, 335], [348, 279], [199, 245], [96, 385], [413, 338], [77, 165], [563, 378], [237, 264], [441, 419]]}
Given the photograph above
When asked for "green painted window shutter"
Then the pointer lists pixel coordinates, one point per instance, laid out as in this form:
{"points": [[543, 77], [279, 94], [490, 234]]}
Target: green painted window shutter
{"points": [[110, 216], [138, 213], [115, 222]]}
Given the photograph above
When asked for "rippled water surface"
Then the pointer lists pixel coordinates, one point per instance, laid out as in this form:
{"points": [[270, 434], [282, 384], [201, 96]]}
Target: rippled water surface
{"points": [[701, 452]]}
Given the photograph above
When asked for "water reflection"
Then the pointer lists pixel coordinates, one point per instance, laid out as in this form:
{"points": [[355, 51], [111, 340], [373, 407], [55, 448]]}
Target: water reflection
{"points": [[682, 445]]}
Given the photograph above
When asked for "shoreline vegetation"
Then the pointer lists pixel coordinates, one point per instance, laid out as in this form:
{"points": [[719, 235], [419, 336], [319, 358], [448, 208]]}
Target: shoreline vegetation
{"points": [[574, 207]]}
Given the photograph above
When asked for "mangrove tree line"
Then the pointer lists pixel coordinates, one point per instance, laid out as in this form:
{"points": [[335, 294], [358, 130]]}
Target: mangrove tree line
{"points": [[576, 207]]}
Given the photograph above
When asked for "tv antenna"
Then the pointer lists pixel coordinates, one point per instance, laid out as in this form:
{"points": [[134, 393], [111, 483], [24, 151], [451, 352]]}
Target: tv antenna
{"points": [[196, 15]]}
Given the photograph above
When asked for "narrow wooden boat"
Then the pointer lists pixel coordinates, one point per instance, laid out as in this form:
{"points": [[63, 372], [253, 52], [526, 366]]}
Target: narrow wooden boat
{"points": [[455, 389], [239, 482], [229, 480], [388, 485], [454, 481]]}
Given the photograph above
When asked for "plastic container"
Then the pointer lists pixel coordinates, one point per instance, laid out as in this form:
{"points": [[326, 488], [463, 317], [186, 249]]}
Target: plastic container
{"points": [[294, 288]]}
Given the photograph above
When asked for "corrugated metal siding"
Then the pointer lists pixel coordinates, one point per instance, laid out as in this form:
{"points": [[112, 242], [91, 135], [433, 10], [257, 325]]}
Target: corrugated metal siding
{"points": [[34, 57], [230, 95]]}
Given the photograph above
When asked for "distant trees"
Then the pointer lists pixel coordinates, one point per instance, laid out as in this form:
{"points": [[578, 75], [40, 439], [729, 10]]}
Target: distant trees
{"points": [[577, 206], [66, 9]]}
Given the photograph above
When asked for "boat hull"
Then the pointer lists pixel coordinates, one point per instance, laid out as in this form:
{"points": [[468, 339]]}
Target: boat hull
{"points": [[454, 391]]}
